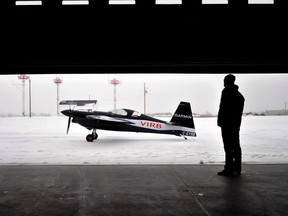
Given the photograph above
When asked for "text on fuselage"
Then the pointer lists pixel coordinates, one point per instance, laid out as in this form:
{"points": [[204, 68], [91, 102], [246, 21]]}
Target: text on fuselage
{"points": [[151, 124]]}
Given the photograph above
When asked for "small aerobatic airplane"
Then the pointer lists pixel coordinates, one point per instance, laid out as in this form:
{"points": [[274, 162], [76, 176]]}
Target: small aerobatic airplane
{"points": [[181, 124]]}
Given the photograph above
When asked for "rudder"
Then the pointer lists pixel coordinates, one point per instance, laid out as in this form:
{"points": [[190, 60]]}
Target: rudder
{"points": [[183, 115]]}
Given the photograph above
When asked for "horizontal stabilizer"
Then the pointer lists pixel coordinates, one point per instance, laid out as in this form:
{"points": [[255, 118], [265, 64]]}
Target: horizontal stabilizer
{"points": [[78, 102]]}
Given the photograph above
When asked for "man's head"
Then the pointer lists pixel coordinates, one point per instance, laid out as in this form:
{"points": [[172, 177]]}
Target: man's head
{"points": [[229, 80]]}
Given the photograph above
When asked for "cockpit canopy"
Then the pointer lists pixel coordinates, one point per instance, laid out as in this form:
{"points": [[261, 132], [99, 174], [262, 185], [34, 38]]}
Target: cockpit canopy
{"points": [[119, 112], [126, 112]]}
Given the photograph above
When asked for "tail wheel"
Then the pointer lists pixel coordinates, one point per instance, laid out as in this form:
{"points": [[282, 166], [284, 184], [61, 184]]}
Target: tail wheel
{"points": [[90, 138]]}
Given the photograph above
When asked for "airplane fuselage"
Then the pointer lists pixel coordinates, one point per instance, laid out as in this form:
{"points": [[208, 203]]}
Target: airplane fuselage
{"points": [[116, 122], [181, 123]]}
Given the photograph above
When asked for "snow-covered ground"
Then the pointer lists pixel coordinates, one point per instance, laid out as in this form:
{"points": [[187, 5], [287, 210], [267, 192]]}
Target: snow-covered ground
{"points": [[43, 140]]}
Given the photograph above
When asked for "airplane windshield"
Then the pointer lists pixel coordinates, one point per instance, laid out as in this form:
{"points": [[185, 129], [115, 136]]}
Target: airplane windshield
{"points": [[119, 112]]}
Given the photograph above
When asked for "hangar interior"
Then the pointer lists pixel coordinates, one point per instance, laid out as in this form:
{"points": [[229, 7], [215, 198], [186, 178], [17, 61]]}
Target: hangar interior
{"points": [[190, 37], [99, 37]]}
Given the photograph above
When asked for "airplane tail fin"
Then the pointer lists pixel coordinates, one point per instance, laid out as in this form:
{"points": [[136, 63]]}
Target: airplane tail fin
{"points": [[183, 115]]}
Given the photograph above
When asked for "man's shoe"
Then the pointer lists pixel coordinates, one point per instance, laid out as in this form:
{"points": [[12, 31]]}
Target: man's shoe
{"points": [[225, 173], [237, 174]]}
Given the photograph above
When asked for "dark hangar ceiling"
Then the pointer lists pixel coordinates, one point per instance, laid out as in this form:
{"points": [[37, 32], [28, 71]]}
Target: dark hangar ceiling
{"points": [[100, 38]]}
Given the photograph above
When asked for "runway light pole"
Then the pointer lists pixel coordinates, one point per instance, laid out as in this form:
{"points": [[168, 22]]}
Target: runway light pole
{"points": [[58, 81], [145, 93], [23, 77], [115, 82], [30, 102]]}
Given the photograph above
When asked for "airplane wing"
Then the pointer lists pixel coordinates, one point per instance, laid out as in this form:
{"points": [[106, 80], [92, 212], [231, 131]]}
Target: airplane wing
{"points": [[78, 102], [107, 118]]}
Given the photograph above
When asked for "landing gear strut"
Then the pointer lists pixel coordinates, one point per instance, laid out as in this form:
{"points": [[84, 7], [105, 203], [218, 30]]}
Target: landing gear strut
{"points": [[91, 137], [183, 136]]}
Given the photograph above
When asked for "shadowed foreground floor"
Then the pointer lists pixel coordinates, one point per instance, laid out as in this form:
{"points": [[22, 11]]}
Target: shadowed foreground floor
{"points": [[142, 190]]}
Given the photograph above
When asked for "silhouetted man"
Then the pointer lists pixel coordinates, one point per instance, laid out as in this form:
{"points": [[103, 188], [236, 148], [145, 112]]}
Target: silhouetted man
{"points": [[229, 119]]}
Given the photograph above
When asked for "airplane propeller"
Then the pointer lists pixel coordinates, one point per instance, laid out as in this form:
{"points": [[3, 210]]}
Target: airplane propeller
{"points": [[69, 121], [69, 114]]}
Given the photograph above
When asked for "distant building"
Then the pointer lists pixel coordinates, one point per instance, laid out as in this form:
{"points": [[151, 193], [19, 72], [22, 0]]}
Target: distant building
{"points": [[276, 112]]}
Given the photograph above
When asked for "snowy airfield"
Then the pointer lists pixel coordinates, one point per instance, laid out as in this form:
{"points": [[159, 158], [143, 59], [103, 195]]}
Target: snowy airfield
{"points": [[43, 140]]}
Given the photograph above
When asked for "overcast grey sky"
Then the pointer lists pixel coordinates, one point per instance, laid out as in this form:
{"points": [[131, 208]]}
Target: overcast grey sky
{"points": [[165, 91]]}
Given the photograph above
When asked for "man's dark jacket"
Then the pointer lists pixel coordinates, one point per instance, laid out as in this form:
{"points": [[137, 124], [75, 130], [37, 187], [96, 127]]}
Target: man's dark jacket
{"points": [[231, 107]]}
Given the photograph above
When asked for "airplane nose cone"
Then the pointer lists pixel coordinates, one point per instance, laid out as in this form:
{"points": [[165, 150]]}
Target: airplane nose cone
{"points": [[66, 112]]}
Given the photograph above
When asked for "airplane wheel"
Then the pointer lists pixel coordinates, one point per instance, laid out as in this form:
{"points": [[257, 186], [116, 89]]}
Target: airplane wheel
{"points": [[90, 138]]}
